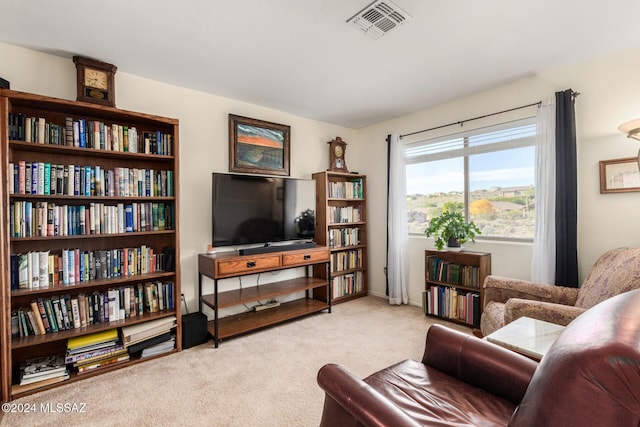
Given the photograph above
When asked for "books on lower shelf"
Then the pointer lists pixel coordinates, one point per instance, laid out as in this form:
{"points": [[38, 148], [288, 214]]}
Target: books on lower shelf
{"points": [[162, 347], [42, 371], [347, 284], [65, 312], [42, 368], [143, 331], [96, 350], [448, 302]]}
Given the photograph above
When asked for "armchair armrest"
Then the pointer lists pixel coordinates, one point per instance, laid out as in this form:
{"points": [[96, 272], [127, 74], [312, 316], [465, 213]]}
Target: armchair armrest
{"points": [[478, 362], [358, 399], [550, 312], [500, 289]]}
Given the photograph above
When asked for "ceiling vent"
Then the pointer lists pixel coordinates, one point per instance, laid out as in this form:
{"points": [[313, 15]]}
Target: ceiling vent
{"points": [[379, 18]]}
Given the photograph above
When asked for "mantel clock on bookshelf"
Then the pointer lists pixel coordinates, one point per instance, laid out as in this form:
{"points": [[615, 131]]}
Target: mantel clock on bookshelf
{"points": [[337, 149], [95, 81]]}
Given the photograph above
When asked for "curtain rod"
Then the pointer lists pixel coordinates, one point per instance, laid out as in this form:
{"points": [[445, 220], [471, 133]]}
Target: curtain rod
{"points": [[462, 122]]}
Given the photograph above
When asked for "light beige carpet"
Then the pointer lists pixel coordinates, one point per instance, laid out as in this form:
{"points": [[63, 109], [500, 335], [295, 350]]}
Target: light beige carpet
{"points": [[266, 378]]}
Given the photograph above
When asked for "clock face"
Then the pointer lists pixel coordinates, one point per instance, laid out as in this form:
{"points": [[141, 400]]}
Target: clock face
{"points": [[96, 79], [338, 151]]}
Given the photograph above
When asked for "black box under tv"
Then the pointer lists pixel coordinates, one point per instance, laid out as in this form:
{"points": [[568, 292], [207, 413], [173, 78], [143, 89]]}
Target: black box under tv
{"points": [[194, 329]]}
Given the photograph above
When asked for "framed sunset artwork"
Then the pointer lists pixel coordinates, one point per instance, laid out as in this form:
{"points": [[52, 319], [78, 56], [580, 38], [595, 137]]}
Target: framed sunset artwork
{"points": [[258, 147]]}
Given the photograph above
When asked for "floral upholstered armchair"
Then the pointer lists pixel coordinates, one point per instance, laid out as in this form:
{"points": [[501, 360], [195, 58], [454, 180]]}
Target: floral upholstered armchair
{"points": [[506, 300]]}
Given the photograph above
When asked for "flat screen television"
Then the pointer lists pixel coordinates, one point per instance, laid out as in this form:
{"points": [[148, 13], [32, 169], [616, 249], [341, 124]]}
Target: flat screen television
{"points": [[251, 209]]}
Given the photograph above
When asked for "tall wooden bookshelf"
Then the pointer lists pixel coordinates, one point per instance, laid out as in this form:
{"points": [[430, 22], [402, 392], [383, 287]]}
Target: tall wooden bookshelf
{"points": [[453, 284], [129, 196], [341, 224]]}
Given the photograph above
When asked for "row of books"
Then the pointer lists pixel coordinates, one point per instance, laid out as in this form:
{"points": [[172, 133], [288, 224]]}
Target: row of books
{"points": [[340, 237], [42, 269], [41, 371], [338, 214], [59, 313], [346, 260], [85, 133], [43, 218], [98, 350], [444, 301], [347, 284], [77, 180], [345, 189], [90, 352], [444, 271]]}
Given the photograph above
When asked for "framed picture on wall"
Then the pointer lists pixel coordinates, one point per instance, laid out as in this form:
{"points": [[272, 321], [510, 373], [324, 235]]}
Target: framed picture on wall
{"points": [[258, 147], [619, 175]]}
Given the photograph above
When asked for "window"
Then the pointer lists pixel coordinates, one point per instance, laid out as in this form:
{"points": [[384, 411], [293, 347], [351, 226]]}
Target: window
{"points": [[489, 171]]}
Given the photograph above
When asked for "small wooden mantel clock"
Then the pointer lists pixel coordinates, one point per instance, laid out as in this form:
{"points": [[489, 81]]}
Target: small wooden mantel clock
{"points": [[96, 81], [337, 148]]}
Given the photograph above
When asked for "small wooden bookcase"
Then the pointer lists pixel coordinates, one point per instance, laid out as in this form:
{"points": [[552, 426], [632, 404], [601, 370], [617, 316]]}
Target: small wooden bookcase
{"points": [[453, 285]]}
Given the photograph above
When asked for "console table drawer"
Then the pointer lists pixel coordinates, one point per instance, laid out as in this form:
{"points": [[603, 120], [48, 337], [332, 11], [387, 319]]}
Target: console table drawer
{"points": [[305, 256], [247, 264]]}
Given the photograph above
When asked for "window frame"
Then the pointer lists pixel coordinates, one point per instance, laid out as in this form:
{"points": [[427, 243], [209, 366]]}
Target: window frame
{"points": [[466, 150]]}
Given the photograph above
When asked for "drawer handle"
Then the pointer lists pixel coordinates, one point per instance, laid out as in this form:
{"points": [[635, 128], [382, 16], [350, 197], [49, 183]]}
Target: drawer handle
{"points": [[251, 264], [306, 257]]}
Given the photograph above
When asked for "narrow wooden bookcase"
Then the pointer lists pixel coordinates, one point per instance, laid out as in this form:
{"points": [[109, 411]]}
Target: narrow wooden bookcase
{"points": [[230, 264], [147, 160], [341, 224], [453, 285]]}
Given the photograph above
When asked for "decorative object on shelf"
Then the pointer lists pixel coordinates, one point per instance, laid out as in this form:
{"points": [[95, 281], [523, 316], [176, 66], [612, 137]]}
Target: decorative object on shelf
{"points": [[306, 224], [95, 80], [337, 148], [451, 228], [619, 175], [258, 147], [4, 84], [632, 129]]}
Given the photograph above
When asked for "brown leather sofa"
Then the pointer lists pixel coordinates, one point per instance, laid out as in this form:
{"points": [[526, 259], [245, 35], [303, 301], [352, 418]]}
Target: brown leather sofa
{"points": [[589, 377]]}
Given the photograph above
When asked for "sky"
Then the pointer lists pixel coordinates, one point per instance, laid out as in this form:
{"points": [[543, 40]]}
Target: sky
{"points": [[507, 168]]}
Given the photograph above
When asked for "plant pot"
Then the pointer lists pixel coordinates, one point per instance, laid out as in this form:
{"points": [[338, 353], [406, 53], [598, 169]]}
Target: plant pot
{"points": [[453, 242]]}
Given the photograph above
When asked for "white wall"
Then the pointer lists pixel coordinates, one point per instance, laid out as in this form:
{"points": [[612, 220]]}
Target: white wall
{"points": [[609, 90], [203, 136]]}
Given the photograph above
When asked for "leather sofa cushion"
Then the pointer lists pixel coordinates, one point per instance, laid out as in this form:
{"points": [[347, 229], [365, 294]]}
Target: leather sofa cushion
{"points": [[437, 399]]}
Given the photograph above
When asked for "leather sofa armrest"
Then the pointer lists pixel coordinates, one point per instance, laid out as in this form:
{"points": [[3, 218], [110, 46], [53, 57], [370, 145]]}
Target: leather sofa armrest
{"points": [[358, 399], [559, 314], [500, 289], [478, 362]]}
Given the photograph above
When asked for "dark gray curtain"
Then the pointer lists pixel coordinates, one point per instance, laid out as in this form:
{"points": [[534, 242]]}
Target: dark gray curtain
{"points": [[566, 191]]}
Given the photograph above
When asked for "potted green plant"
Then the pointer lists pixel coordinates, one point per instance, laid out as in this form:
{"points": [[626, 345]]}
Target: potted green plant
{"points": [[451, 228]]}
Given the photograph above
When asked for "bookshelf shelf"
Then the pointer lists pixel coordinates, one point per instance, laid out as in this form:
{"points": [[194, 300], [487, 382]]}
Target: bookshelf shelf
{"points": [[35, 340], [341, 224], [88, 152], [453, 285], [127, 167]]}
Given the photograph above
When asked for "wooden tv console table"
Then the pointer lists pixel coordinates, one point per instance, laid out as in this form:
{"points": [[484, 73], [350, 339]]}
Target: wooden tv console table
{"points": [[230, 264]]}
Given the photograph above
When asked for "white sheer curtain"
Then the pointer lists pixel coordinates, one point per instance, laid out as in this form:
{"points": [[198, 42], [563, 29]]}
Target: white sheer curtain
{"points": [[398, 237], [543, 262]]}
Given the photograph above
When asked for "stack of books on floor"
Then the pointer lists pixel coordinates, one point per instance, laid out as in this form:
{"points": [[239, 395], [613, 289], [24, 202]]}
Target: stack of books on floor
{"points": [[150, 338], [95, 351], [42, 371]]}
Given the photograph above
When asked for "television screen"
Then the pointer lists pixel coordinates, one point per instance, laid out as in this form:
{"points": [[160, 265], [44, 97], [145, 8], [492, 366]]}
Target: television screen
{"points": [[249, 209]]}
